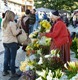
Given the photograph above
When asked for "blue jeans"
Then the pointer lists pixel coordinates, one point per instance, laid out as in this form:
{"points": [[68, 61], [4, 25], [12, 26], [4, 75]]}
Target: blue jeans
{"points": [[10, 56], [36, 25], [31, 28]]}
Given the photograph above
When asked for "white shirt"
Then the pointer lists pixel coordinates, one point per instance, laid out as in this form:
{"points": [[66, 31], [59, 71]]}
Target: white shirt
{"points": [[9, 34]]}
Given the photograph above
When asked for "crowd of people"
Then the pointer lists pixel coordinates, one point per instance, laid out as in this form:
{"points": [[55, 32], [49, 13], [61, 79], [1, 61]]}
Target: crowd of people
{"points": [[69, 18], [59, 34]]}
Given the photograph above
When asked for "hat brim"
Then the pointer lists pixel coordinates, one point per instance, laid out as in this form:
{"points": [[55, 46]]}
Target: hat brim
{"points": [[55, 15]]}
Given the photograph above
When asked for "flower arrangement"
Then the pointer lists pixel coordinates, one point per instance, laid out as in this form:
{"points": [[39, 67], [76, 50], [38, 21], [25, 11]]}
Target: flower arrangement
{"points": [[26, 65], [71, 69], [49, 75], [45, 45], [33, 47], [42, 45], [52, 63], [45, 25], [46, 67], [55, 53], [56, 63], [50, 67], [45, 41], [43, 65], [29, 49], [34, 34]]}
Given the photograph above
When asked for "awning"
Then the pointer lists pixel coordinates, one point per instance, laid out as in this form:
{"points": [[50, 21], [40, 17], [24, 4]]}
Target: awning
{"points": [[44, 9]]}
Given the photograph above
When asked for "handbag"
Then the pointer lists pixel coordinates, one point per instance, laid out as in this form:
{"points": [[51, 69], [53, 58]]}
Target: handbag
{"points": [[22, 37]]}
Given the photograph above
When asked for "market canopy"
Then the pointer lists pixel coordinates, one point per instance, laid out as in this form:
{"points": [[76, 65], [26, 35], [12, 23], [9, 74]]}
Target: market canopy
{"points": [[44, 9], [76, 10], [63, 11]]}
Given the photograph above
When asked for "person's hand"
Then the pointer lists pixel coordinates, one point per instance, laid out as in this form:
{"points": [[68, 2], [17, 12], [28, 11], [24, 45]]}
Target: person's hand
{"points": [[20, 31], [42, 34]]}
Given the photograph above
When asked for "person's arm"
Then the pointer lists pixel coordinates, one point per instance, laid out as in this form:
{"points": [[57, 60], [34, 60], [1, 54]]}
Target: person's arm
{"points": [[57, 28], [14, 29]]}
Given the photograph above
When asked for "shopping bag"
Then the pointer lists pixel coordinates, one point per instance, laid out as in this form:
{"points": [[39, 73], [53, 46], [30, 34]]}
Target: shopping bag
{"points": [[22, 37]]}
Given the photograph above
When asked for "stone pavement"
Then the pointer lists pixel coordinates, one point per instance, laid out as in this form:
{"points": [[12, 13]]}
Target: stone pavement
{"points": [[20, 57], [1, 46]]}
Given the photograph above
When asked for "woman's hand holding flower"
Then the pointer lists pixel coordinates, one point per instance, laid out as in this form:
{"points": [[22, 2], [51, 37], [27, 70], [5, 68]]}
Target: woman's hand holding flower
{"points": [[42, 34]]}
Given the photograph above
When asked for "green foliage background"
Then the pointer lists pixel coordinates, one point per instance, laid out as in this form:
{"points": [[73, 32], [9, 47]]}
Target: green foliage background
{"points": [[57, 4]]}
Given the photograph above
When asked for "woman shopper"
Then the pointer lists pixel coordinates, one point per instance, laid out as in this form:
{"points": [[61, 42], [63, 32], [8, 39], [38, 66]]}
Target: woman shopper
{"points": [[60, 37], [25, 24], [9, 39]]}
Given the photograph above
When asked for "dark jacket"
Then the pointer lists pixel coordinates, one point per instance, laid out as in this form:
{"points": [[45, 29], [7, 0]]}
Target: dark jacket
{"points": [[32, 19]]}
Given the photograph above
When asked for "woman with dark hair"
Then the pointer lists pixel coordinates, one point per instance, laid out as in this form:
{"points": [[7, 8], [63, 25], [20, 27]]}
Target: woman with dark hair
{"points": [[25, 24]]}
